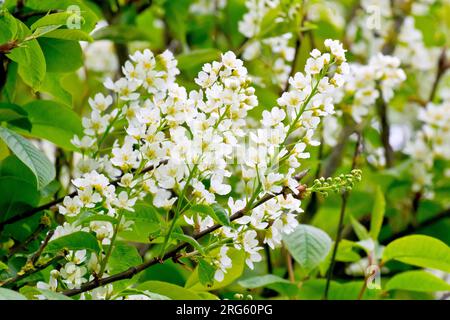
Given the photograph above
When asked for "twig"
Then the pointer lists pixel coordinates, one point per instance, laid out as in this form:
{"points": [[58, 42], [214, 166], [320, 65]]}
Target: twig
{"points": [[290, 267], [442, 67], [30, 239], [34, 258], [33, 269], [345, 195], [385, 132], [53, 203], [411, 229]]}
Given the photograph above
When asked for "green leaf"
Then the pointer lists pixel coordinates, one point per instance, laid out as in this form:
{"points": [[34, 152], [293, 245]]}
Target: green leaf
{"points": [[6, 294], [51, 295], [12, 167], [75, 241], [419, 250], [59, 18], [61, 55], [54, 122], [52, 85], [417, 280], [169, 290], [10, 88], [194, 243], [314, 289], [232, 274], [33, 158], [85, 14], [272, 281], [8, 27], [123, 256], [220, 215], [308, 245], [29, 57], [261, 281], [146, 222], [42, 31], [9, 112], [379, 208], [360, 230], [3, 266], [121, 34], [66, 34], [206, 273], [17, 196], [197, 57]]}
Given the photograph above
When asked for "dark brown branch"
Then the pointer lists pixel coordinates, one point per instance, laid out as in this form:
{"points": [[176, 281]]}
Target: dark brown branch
{"points": [[335, 158], [442, 66], [345, 195], [33, 269], [385, 132], [6, 48], [53, 203], [421, 225], [35, 257], [20, 246]]}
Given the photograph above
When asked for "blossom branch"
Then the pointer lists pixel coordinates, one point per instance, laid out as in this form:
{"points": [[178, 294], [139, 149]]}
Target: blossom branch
{"points": [[53, 203], [174, 253]]}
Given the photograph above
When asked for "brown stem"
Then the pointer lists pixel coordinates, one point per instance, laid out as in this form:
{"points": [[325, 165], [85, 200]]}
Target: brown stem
{"points": [[31, 238], [411, 229], [385, 132], [345, 194], [53, 203], [33, 270], [35, 257]]}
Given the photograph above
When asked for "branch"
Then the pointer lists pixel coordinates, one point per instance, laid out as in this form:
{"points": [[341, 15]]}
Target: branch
{"points": [[385, 132], [345, 194], [33, 269], [411, 229], [442, 66], [174, 253], [53, 203], [34, 258]]}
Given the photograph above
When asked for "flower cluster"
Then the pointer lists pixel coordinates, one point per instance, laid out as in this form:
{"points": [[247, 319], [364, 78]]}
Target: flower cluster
{"points": [[178, 148], [366, 83], [431, 142], [278, 46]]}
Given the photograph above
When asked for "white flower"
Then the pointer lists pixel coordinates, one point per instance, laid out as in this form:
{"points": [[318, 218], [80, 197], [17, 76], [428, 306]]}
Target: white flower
{"points": [[273, 117], [250, 246], [223, 262], [104, 230], [217, 185], [72, 275], [124, 202], [163, 199], [100, 102], [71, 206], [89, 198]]}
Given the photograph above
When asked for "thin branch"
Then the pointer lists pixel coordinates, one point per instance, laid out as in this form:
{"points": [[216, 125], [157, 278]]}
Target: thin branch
{"points": [[345, 194], [411, 229], [33, 270], [442, 66], [53, 203], [35, 257], [31, 238], [385, 132]]}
